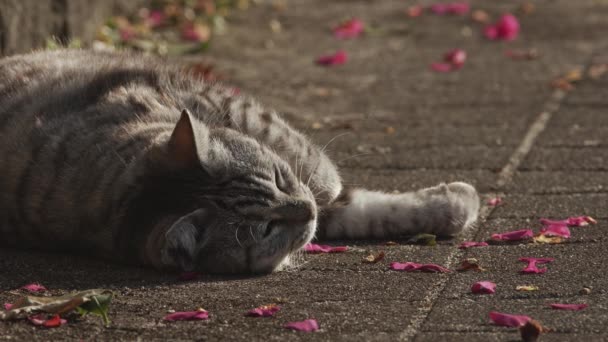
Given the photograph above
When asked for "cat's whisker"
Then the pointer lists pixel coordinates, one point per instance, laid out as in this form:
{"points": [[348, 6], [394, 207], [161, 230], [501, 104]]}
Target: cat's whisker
{"points": [[323, 151], [353, 156], [236, 235]]}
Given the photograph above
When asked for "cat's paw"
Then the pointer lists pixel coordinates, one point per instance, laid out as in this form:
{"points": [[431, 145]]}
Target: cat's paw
{"points": [[456, 207]]}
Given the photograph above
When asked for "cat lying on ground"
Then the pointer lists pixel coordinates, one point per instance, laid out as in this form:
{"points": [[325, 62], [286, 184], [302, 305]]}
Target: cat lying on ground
{"points": [[122, 157]]}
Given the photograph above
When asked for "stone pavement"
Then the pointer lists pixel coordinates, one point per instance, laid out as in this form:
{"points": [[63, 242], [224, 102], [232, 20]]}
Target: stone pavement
{"points": [[496, 123]]}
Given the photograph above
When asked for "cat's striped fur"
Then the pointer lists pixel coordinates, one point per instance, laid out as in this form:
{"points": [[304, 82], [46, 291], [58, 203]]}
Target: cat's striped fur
{"points": [[123, 157]]}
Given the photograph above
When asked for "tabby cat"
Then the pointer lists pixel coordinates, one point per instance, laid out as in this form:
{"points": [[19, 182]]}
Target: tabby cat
{"points": [[123, 157]]}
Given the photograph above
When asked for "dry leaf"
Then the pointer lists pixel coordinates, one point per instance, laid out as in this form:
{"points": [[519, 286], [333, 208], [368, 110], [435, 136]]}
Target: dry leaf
{"points": [[526, 288], [372, 259], [531, 331], [470, 264], [543, 239]]}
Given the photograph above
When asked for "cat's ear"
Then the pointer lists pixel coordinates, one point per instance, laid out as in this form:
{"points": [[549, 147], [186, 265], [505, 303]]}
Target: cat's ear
{"points": [[189, 140], [186, 238]]}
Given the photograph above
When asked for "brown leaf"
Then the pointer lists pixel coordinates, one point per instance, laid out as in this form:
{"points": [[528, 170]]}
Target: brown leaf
{"points": [[372, 259], [470, 264], [531, 331]]}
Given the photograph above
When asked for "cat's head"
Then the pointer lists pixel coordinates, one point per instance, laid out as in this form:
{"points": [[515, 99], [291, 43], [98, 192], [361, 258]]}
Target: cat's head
{"points": [[234, 205]]}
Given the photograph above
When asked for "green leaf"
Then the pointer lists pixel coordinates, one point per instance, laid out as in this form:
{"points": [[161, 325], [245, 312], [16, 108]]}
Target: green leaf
{"points": [[98, 305], [423, 239]]}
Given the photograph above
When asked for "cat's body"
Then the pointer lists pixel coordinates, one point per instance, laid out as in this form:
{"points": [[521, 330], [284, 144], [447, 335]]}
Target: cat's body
{"points": [[122, 157]]}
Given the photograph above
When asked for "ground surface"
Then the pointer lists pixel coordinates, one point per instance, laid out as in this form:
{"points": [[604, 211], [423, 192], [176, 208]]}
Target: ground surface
{"points": [[496, 123]]}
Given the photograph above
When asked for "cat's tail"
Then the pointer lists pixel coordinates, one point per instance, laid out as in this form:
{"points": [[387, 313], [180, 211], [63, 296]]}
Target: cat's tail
{"points": [[443, 210]]}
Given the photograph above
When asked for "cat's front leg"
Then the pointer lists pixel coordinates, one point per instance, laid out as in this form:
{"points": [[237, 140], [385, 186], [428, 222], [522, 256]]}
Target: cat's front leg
{"points": [[443, 210]]}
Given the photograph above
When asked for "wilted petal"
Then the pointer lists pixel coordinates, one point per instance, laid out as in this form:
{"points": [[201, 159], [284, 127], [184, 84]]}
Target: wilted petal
{"points": [[264, 311], [493, 202], [34, 288], [516, 235], [531, 331], [412, 266], [442, 67], [572, 307], [560, 230], [456, 57], [439, 8], [576, 221], [469, 244], [308, 325], [7, 306], [195, 32], [52, 322], [508, 320], [532, 262], [349, 29], [337, 58], [313, 248], [156, 18], [506, 28], [199, 315], [483, 287], [543, 239]]}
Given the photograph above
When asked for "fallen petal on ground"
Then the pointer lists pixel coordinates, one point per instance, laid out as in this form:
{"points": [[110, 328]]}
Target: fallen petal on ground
{"points": [[532, 262], [198, 315], [264, 311], [483, 287], [551, 240], [571, 307], [34, 288], [415, 11], [493, 202], [456, 8], [469, 244], [456, 57], [506, 28], [508, 320], [337, 58], [412, 266], [442, 67], [308, 325], [575, 221], [516, 235], [560, 230], [314, 248], [189, 276], [7, 306], [41, 320], [349, 29]]}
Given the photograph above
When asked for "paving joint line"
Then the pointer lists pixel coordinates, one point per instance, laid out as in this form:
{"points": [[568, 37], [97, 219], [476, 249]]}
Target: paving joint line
{"points": [[504, 177]]}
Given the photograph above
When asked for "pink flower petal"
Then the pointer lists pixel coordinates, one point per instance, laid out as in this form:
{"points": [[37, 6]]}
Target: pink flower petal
{"points": [[199, 315], [572, 307], [412, 266], [508, 320], [442, 67], [338, 58], [560, 230], [7, 306], [483, 287], [156, 18], [494, 201], [532, 262], [308, 325], [349, 29], [439, 8], [456, 57], [469, 244], [195, 32], [34, 288], [516, 235], [263, 311], [506, 28], [314, 248], [52, 322], [577, 221]]}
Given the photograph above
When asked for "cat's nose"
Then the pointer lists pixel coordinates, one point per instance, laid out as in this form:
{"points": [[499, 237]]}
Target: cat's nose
{"points": [[295, 211]]}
